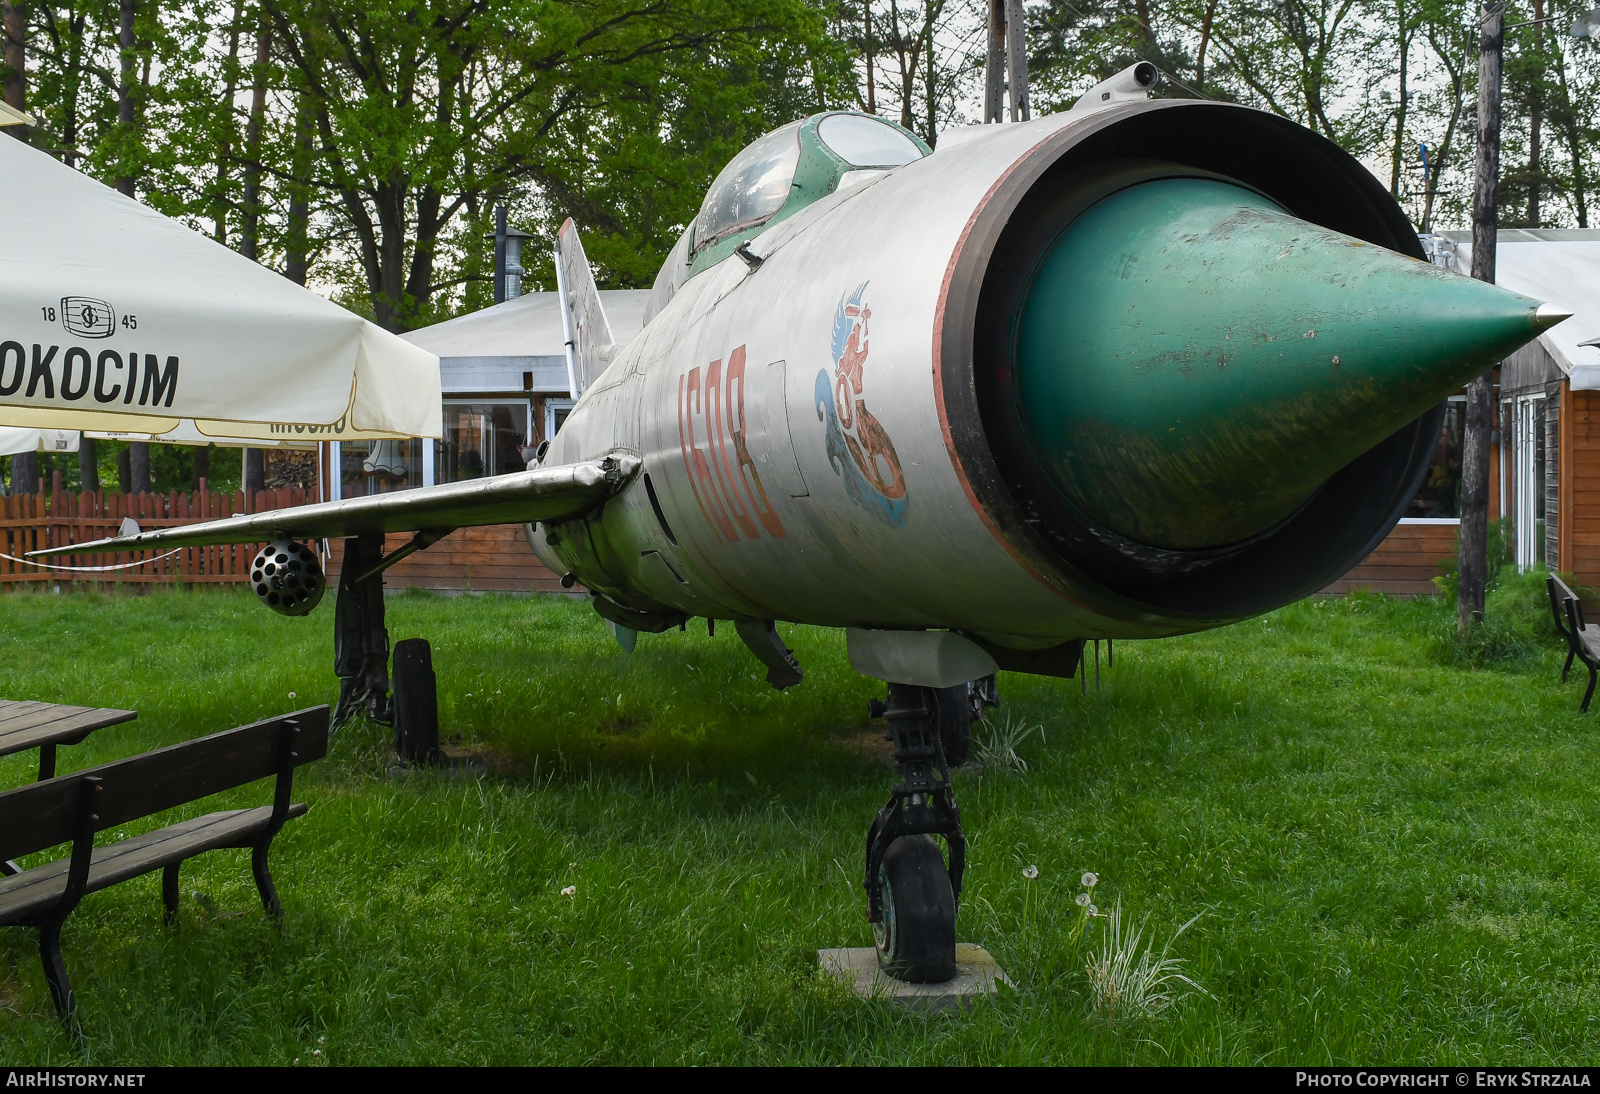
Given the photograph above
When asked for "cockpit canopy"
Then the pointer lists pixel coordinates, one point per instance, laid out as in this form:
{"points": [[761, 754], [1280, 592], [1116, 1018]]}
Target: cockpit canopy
{"points": [[864, 141], [757, 182], [774, 177], [753, 186]]}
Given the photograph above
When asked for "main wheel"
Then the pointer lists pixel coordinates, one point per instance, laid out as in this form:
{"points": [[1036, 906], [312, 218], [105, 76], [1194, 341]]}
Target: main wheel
{"points": [[917, 938], [955, 722]]}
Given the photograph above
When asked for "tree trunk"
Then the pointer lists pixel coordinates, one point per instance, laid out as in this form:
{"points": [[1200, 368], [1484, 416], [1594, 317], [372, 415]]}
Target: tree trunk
{"points": [[906, 56], [125, 111], [1472, 551], [25, 473], [70, 85], [124, 472], [1569, 126], [225, 145], [255, 470], [251, 217], [139, 467], [88, 465], [1397, 158], [1205, 41], [931, 84], [1441, 154], [14, 21], [297, 244], [1141, 12], [1535, 124], [872, 79]]}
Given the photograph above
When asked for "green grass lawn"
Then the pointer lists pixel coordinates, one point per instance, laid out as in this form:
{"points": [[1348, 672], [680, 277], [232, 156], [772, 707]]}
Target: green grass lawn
{"points": [[1394, 854]]}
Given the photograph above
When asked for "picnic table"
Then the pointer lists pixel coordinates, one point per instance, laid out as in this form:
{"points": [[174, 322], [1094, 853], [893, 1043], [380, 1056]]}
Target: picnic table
{"points": [[26, 724]]}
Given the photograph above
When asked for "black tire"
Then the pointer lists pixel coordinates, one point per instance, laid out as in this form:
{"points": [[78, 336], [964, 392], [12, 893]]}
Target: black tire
{"points": [[955, 722], [917, 938]]}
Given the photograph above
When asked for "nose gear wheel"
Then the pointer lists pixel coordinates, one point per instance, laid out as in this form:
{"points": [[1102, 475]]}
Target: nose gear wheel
{"points": [[911, 894], [917, 936]]}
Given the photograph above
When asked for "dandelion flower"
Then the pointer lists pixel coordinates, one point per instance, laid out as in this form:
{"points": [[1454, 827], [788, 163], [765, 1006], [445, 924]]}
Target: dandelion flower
{"points": [[1093, 910], [316, 1052], [1083, 900], [1030, 872], [291, 695], [1091, 880], [570, 890]]}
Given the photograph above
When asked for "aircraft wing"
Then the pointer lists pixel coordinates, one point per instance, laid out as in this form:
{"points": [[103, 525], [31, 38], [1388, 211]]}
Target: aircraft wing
{"points": [[544, 493]]}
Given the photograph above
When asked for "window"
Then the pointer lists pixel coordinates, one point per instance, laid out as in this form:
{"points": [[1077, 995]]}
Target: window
{"points": [[482, 438], [555, 413], [1440, 495], [377, 467], [751, 189], [866, 142]]}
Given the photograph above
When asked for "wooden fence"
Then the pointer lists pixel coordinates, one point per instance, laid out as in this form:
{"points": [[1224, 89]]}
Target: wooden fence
{"points": [[32, 522]]}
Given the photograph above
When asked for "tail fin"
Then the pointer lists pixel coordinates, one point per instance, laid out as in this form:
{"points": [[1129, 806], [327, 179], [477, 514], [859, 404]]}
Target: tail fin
{"points": [[590, 345]]}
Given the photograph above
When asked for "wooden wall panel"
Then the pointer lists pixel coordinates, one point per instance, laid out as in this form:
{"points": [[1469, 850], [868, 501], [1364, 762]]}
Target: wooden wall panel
{"points": [[1404, 564], [492, 559], [1580, 501]]}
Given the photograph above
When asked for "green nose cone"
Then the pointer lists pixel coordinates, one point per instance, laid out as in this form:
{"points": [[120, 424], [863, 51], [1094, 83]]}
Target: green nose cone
{"points": [[1192, 363]]}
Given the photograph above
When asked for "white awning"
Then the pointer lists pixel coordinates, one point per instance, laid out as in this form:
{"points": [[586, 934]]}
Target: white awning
{"points": [[519, 345], [117, 319]]}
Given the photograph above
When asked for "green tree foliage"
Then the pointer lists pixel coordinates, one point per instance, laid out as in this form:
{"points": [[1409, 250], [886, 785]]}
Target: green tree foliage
{"points": [[1383, 78], [364, 144]]}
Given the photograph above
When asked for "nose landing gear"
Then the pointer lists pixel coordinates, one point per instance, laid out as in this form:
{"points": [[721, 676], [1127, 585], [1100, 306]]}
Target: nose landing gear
{"points": [[911, 894]]}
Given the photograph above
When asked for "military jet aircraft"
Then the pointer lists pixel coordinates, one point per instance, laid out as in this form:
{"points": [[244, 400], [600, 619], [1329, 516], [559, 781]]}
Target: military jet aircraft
{"points": [[1136, 369]]}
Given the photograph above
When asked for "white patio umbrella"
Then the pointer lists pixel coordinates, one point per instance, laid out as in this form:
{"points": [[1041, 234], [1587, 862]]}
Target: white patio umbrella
{"points": [[115, 318], [15, 439]]}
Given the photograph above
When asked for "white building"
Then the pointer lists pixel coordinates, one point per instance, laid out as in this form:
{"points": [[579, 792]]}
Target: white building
{"points": [[504, 374]]}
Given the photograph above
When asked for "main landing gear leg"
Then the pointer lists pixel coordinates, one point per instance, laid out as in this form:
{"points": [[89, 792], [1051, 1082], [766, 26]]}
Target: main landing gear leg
{"points": [[911, 894], [360, 641]]}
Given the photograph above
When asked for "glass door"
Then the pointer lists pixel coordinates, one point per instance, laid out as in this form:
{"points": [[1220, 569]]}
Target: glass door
{"points": [[1527, 493]]}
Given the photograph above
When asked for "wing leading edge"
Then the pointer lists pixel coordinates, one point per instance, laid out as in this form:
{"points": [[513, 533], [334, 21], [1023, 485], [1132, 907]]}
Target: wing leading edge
{"points": [[552, 493]]}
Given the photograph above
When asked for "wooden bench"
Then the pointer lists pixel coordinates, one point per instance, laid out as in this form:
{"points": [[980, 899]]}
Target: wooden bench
{"points": [[73, 808], [1583, 639], [26, 724]]}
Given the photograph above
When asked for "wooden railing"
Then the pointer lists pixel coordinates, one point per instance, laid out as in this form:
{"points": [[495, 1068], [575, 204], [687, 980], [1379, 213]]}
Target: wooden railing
{"points": [[32, 522]]}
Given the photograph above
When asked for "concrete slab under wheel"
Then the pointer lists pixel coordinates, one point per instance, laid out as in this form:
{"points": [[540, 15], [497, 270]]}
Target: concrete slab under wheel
{"points": [[977, 975]]}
